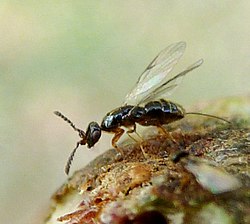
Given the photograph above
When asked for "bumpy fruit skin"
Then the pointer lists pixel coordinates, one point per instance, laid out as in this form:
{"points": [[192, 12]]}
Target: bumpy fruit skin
{"points": [[148, 186]]}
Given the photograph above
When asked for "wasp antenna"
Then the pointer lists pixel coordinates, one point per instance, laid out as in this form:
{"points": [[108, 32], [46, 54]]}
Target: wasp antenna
{"points": [[70, 159], [209, 115], [59, 114]]}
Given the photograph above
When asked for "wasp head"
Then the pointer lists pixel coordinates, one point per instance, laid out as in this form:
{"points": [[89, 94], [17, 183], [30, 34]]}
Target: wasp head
{"points": [[93, 134]]}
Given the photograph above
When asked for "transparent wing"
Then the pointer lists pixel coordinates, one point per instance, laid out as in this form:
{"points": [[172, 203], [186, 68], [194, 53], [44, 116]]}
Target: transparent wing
{"points": [[156, 72], [166, 88]]}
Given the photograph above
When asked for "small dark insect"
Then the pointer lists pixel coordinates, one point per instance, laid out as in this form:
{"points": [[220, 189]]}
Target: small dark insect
{"points": [[144, 105]]}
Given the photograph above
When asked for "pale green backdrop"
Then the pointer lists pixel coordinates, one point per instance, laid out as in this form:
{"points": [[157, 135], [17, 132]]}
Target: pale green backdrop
{"points": [[81, 57]]}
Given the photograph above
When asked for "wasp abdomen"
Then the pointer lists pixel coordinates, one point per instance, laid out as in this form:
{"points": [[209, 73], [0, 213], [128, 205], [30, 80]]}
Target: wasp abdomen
{"points": [[160, 112]]}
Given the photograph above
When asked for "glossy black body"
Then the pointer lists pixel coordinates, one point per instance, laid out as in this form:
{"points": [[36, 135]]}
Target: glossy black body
{"points": [[116, 118], [142, 104], [154, 113]]}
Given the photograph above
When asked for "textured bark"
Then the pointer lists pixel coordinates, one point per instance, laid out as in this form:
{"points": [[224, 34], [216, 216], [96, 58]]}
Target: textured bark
{"points": [[150, 184]]}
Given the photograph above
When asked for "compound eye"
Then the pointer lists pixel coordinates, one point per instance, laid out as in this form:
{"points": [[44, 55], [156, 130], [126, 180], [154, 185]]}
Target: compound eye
{"points": [[93, 134]]}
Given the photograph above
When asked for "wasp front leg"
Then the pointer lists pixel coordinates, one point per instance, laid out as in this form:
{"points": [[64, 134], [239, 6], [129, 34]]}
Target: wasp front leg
{"points": [[118, 133]]}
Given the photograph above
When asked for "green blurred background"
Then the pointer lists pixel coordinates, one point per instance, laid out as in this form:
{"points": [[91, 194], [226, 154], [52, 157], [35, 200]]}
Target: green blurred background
{"points": [[82, 57]]}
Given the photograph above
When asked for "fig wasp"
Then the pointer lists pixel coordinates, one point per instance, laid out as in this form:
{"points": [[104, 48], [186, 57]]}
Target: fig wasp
{"points": [[145, 105]]}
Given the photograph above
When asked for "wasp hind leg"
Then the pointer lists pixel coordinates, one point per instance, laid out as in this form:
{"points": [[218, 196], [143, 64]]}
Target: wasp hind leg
{"points": [[163, 131]]}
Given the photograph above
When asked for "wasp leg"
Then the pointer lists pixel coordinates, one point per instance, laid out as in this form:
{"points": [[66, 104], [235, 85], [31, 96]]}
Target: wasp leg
{"points": [[118, 133], [163, 131], [137, 133], [133, 130]]}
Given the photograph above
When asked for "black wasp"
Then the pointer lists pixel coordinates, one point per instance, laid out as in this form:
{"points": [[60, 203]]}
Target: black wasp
{"points": [[144, 105]]}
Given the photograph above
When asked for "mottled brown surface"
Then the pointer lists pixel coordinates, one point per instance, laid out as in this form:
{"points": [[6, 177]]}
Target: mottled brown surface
{"points": [[142, 187]]}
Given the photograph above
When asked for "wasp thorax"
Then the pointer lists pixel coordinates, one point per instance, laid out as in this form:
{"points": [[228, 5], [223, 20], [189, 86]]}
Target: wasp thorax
{"points": [[137, 112], [93, 134]]}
